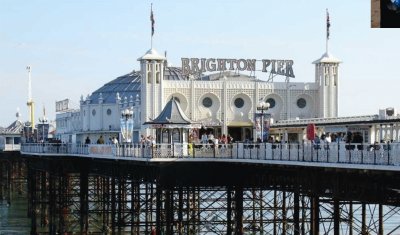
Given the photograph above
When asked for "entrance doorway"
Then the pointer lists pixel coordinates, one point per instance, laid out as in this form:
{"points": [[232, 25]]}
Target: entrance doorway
{"points": [[241, 133]]}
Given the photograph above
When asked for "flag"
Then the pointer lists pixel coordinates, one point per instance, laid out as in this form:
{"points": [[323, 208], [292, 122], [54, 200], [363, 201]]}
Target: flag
{"points": [[328, 24], [152, 20]]}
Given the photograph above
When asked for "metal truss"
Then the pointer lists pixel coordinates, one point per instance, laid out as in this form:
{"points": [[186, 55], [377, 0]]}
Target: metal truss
{"points": [[83, 202]]}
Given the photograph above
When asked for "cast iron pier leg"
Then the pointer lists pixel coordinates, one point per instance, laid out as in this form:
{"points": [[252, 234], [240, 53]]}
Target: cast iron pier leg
{"points": [[84, 204], [363, 219], [239, 210], [296, 214], [32, 189], [336, 217], [314, 215], [229, 211], [380, 219]]}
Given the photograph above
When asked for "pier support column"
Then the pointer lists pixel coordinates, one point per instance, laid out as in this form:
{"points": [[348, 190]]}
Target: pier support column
{"points": [[84, 203], [120, 204], [239, 210], [275, 219], [229, 211], [314, 230], [169, 211], [363, 219], [33, 200], [336, 217], [284, 219], [351, 218], [296, 213], [158, 210], [52, 203], [43, 199], [113, 204], [180, 211], [63, 191], [380, 219]]}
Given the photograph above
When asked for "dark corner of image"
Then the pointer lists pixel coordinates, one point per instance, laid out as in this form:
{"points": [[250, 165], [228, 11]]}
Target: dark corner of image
{"points": [[385, 13]]}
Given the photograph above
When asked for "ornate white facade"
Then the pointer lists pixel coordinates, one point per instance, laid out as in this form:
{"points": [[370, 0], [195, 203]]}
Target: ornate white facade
{"points": [[224, 102]]}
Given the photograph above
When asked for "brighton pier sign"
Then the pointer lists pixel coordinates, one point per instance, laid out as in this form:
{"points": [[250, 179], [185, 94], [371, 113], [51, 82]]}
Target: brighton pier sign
{"points": [[201, 65]]}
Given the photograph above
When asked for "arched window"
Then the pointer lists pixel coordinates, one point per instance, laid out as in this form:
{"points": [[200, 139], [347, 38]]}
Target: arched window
{"points": [[271, 102], [301, 103], [158, 77], [149, 75], [207, 102], [239, 103], [176, 137], [165, 136]]}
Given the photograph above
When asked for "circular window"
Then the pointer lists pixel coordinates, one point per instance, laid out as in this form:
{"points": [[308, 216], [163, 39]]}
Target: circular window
{"points": [[239, 103], [207, 102], [94, 112], [108, 112], [301, 103], [271, 102]]}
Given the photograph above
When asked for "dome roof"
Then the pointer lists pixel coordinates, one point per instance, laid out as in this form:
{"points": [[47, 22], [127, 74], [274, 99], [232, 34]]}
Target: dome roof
{"points": [[152, 54], [174, 73], [127, 85], [327, 58]]}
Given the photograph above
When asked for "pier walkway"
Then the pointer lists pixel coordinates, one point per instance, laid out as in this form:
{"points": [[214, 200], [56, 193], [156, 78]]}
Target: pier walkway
{"points": [[384, 157]]}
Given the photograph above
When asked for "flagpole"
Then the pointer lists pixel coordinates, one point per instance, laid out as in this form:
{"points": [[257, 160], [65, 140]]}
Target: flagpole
{"points": [[152, 25], [327, 29]]}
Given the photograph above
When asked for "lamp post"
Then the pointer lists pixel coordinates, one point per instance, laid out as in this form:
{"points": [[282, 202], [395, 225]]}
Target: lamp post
{"points": [[262, 106], [43, 120], [126, 126]]}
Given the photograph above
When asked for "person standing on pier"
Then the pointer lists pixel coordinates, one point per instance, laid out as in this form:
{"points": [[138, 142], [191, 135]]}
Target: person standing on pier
{"points": [[100, 140], [87, 140]]}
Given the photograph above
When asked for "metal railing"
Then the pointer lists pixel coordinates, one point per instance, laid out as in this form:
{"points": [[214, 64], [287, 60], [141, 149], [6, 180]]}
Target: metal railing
{"points": [[338, 153], [10, 147], [306, 121]]}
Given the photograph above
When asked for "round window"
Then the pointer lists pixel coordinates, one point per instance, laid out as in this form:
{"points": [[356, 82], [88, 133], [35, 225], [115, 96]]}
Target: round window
{"points": [[207, 102], [271, 102], [301, 103], [94, 112], [108, 112], [239, 103]]}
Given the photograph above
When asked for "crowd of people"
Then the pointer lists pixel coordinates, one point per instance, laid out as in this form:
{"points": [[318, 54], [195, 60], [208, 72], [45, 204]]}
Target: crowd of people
{"points": [[210, 140], [112, 140]]}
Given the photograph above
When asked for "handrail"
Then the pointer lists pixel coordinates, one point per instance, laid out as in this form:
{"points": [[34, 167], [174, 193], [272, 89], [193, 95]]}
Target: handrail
{"points": [[326, 120], [334, 153]]}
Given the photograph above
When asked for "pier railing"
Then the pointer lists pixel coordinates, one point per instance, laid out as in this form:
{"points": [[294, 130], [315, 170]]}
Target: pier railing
{"points": [[376, 154], [10, 147]]}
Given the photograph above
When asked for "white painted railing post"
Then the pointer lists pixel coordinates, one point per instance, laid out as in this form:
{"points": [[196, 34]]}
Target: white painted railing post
{"points": [[240, 150], [342, 151]]}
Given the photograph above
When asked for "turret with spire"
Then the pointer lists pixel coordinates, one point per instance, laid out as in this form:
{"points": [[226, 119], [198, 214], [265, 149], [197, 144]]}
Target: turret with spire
{"points": [[326, 77], [152, 69]]}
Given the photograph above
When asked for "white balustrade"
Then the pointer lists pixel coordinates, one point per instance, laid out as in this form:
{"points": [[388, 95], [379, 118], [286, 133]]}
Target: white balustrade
{"points": [[342, 153]]}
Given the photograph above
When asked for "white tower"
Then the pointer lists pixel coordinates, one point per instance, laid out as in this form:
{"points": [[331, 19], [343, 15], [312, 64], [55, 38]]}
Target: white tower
{"points": [[152, 70], [30, 103], [326, 77]]}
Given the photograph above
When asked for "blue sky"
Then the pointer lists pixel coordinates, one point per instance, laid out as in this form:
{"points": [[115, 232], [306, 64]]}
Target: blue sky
{"points": [[76, 46]]}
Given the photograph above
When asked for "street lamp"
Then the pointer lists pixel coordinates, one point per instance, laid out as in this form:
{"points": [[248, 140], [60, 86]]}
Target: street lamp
{"points": [[126, 126], [262, 106], [43, 120]]}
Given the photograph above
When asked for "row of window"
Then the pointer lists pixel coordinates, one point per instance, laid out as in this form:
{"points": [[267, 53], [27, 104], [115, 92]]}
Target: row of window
{"points": [[239, 102], [94, 112]]}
